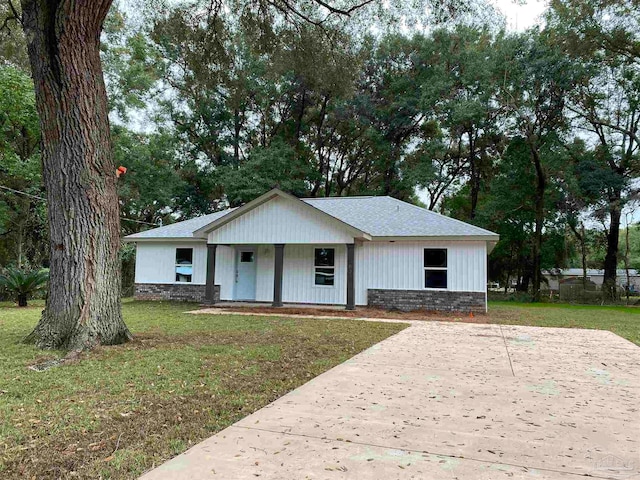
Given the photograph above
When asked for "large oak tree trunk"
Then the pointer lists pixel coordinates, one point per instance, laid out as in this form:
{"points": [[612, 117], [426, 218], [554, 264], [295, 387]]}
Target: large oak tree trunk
{"points": [[83, 304]]}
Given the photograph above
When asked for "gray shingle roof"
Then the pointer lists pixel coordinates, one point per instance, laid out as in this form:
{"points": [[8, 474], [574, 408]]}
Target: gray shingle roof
{"points": [[183, 229], [390, 217], [377, 216]]}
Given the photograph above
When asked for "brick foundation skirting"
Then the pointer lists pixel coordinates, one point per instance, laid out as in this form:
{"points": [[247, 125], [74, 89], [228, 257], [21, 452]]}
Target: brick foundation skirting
{"points": [[445, 300], [182, 292]]}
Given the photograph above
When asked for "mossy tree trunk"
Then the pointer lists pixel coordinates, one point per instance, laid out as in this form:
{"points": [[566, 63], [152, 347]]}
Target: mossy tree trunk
{"points": [[83, 304]]}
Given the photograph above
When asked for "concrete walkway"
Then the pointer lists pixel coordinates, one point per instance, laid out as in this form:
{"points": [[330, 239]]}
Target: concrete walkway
{"points": [[445, 401]]}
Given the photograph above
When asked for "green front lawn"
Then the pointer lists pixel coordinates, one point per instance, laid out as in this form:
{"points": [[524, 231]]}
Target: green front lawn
{"points": [[122, 410], [623, 321]]}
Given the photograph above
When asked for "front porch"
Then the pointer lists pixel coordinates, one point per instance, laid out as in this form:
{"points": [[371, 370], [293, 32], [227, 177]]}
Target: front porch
{"points": [[251, 305], [281, 274]]}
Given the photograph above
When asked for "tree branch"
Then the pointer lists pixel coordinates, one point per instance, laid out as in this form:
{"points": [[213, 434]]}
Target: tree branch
{"points": [[340, 11], [14, 16], [602, 123]]}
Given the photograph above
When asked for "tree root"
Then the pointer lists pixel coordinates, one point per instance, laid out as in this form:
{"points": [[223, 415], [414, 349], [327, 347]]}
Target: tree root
{"points": [[71, 357]]}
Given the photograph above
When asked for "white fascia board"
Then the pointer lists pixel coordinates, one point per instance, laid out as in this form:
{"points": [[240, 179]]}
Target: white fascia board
{"points": [[163, 239], [454, 238]]}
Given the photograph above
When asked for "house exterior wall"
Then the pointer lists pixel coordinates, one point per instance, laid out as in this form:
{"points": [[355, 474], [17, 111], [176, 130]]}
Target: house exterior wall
{"points": [[155, 264], [400, 266], [180, 292], [281, 221], [299, 276], [439, 300], [396, 267]]}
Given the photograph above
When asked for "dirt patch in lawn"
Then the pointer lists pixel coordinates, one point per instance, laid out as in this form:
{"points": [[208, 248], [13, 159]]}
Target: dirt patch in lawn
{"points": [[429, 315]]}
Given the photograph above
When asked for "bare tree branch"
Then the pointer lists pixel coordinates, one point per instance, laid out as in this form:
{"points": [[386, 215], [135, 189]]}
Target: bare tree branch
{"points": [[340, 11]]}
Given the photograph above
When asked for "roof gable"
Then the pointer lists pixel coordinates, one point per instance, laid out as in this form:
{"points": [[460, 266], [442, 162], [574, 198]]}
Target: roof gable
{"points": [[278, 194]]}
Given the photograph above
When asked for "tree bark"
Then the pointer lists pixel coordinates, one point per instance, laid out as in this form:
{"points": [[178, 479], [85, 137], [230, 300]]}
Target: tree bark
{"points": [[541, 183], [627, 250], [22, 300], [583, 253], [611, 257], [475, 175], [83, 304], [582, 239]]}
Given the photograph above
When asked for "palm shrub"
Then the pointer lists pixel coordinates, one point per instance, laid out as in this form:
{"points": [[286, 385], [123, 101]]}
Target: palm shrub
{"points": [[23, 284]]}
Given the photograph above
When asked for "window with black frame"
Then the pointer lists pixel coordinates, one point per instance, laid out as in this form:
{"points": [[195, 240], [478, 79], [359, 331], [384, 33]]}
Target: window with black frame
{"points": [[435, 268], [324, 263], [184, 265]]}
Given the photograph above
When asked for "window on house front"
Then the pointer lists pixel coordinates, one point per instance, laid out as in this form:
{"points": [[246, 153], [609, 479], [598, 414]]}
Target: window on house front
{"points": [[435, 268], [325, 270], [184, 265]]}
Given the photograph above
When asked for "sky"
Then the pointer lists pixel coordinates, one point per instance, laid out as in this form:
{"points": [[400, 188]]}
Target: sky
{"points": [[521, 15]]}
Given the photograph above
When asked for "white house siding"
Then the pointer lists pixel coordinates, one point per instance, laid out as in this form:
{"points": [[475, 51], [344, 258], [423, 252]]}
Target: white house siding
{"points": [[156, 263], [400, 266], [381, 265], [281, 221], [264, 275], [298, 277], [225, 270], [298, 280]]}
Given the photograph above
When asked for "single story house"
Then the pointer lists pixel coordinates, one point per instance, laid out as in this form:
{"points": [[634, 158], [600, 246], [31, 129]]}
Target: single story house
{"points": [[375, 251], [556, 277]]}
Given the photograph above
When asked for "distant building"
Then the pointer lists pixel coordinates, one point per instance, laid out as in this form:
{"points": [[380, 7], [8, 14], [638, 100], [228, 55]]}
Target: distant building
{"points": [[557, 277]]}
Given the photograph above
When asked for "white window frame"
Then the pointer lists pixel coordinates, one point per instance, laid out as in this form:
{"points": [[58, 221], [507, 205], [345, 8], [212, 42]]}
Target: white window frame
{"points": [[441, 269], [316, 267], [175, 267]]}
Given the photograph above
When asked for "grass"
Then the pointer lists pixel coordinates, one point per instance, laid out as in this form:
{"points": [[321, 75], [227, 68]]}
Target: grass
{"points": [[121, 410], [623, 321]]}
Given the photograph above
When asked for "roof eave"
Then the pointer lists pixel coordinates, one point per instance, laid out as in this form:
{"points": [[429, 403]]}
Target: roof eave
{"points": [[129, 239], [458, 238]]}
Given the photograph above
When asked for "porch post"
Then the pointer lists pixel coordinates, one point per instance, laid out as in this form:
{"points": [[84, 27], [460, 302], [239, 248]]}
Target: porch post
{"points": [[277, 274], [210, 289], [351, 291]]}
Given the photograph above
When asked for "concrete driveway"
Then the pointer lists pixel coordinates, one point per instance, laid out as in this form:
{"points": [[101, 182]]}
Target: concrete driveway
{"points": [[445, 401]]}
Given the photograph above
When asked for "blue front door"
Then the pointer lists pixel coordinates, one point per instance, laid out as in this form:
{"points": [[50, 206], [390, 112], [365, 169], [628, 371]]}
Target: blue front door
{"points": [[246, 274]]}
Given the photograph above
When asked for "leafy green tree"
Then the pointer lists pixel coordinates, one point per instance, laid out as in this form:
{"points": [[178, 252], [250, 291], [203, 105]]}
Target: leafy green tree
{"points": [[266, 168], [132, 66], [537, 78], [511, 211], [149, 189], [13, 47], [22, 217], [458, 141], [602, 38]]}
